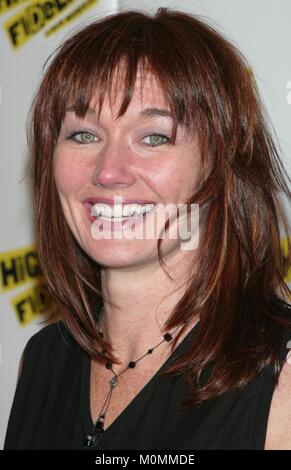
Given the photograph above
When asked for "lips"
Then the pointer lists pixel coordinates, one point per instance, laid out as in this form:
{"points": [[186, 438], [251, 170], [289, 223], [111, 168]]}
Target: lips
{"points": [[122, 201], [88, 203]]}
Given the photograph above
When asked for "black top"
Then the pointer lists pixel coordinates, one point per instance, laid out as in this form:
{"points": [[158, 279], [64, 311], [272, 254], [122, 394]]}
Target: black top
{"points": [[51, 408]]}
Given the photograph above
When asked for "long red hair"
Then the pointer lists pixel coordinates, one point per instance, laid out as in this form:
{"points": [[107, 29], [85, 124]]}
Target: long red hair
{"points": [[238, 290]]}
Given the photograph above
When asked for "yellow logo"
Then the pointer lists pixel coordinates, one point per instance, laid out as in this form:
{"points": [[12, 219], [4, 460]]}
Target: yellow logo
{"points": [[35, 16], [18, 267]]}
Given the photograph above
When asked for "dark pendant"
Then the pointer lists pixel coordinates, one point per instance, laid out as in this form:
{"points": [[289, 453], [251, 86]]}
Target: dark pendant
{"points": [[94, 438]]}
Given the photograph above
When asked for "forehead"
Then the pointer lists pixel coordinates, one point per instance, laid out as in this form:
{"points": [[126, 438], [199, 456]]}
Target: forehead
{"points": [[146, 93]]}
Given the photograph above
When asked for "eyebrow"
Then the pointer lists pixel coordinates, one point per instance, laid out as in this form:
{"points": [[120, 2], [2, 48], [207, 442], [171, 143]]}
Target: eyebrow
{"points": [[155, 112], [148, 112]]}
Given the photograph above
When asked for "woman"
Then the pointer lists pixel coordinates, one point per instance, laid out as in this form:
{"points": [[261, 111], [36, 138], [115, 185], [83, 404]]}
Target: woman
{"points": [[159, 346]]}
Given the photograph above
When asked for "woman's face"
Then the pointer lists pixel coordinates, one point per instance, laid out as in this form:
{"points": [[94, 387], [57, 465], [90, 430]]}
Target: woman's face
{"points": [[129, 158]]}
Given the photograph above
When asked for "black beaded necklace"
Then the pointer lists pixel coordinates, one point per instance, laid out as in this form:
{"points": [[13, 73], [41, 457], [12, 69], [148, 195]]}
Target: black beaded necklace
{"points": [[94, 437]]}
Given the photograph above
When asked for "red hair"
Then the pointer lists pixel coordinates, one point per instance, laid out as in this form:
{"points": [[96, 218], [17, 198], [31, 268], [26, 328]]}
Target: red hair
{"points": [[238, 290]]}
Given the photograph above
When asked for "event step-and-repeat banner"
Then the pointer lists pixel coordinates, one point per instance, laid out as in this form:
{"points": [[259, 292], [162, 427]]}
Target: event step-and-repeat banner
{"points": [[29, 31]]}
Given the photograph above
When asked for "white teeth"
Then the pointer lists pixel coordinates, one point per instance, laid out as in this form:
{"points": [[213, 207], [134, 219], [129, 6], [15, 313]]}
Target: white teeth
{"points": [[119, 211]]}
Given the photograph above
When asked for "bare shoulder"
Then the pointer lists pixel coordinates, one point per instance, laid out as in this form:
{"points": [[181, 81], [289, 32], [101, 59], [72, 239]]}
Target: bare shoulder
{"points": [[279, 423]]}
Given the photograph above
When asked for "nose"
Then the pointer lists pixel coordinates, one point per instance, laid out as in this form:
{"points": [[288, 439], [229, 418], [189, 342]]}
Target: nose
{"points": [[113, 169]]}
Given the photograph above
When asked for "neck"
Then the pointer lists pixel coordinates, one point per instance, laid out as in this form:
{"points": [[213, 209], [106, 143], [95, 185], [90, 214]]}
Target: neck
{"points": [[143, 301]]}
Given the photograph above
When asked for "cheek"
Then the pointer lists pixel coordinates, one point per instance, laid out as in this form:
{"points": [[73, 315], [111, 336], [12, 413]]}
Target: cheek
{"points": [[69, 173], [185, 173], [177, 179]]}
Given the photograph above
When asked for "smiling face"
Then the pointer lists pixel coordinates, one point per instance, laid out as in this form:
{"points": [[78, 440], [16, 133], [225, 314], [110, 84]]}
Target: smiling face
{"points": [[130, 157]]}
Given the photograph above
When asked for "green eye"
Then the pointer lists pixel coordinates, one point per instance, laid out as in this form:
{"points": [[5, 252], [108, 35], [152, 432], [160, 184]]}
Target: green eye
{"points": [[154, 140], [83, 137]]}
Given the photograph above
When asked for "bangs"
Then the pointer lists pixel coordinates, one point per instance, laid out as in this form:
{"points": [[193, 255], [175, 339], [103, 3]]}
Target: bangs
{"points": [[115, 84], [106, 62]]}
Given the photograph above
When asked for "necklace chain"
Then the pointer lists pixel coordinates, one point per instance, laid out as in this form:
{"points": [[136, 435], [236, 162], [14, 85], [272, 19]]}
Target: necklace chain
{"points": [[96, 434]]}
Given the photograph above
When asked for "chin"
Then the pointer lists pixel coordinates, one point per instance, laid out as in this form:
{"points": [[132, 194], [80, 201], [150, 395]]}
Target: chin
{"points": [[118, 262], [120, 253]]}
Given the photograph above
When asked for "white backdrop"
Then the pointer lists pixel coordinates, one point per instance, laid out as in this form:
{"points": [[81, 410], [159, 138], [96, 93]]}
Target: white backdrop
{"points": [[261, 30]]}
